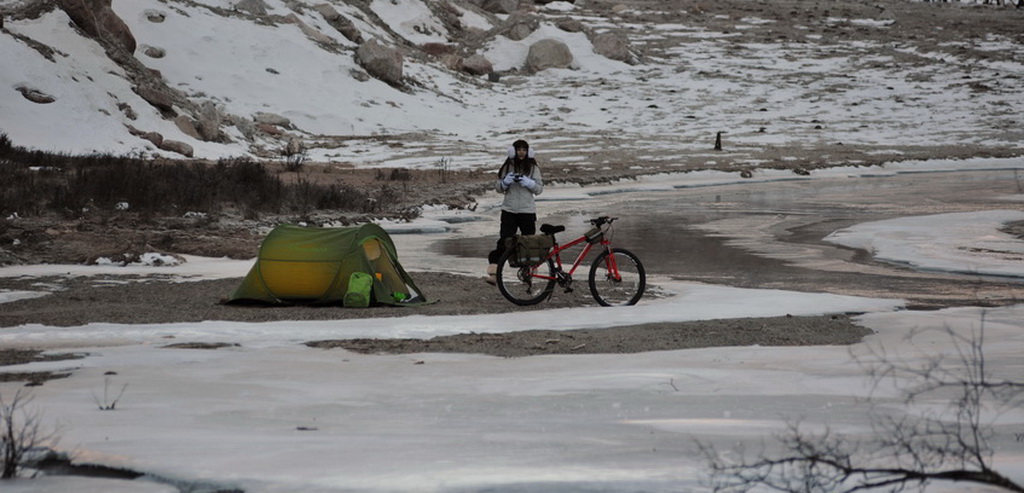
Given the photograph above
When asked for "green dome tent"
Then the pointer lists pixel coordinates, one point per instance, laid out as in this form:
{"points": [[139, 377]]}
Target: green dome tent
{"points": [[353, 266]]}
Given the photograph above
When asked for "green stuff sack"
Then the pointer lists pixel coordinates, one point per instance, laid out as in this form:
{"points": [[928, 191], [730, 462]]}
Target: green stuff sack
{"points": [[360, 288]]}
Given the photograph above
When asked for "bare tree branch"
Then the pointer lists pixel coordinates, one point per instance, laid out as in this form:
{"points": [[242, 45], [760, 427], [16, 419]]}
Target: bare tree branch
{"points": [[951, 444], [20, 433]]}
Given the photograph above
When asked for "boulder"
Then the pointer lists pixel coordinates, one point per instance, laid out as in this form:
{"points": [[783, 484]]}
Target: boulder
{"points": [[438, 49], [340, 23], [244, 125], [450, 17], [360, 75], [128, 111], [477, 65], [519, 32], [187, 127], [155, 137], [177, 146], [35, 95], [272, 119], [254, 7], [310, 32], [98, 20], [548, 53], [520, 25], [612, 46], [295, 147], [153, 51], [269, 129], [156, 96], [571, 25], [500, 6], [452, 62], [209, 122], [381, 61]]}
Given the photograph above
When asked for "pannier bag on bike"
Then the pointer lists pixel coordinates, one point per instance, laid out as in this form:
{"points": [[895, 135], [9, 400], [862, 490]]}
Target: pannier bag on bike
{"points": [[594, 235], [530, 249]]}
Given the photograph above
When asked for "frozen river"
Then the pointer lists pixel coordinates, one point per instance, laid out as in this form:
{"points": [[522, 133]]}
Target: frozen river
{"points": [[769, 233], [268, 414]]}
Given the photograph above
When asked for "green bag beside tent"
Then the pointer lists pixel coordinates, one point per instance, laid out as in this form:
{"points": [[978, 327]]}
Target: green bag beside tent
{"points": [[315, 265], [360, 290]]}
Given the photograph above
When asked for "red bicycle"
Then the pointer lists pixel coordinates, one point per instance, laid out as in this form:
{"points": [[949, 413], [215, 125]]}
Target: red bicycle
{"points": [[616, 277]]}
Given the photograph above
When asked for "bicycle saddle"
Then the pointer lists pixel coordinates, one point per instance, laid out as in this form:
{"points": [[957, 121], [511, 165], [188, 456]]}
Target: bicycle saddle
{"points": [[550, 230]]}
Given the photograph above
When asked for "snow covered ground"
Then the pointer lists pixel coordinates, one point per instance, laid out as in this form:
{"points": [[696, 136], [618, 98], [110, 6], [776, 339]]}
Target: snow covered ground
{"points": [[789, 87], [272, 415]]}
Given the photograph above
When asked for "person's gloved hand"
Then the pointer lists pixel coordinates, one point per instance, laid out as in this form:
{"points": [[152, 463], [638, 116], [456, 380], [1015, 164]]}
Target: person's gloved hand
{"points": [[527, 182], [507, 181]]}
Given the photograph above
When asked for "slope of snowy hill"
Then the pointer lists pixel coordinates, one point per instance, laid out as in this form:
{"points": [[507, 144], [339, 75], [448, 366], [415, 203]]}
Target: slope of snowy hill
{"points": [[274, 72], [651, 82]]}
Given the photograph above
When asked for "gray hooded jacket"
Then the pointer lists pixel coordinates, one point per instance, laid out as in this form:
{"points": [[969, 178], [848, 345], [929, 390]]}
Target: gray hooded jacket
{"points": [[518, 198]]}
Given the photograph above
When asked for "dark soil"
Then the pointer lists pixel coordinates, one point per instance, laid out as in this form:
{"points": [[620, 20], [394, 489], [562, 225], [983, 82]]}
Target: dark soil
{"points": [[767, 331], [86, 300], [23, 356]]}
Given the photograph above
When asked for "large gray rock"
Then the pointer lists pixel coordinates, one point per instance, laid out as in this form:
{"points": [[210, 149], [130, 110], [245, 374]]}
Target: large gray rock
{"points": [[500, 6], [155, 137], [98, 20], [310, 32], [477, 65], [177, 146], [35, 95], [570, 25], [548, 53], [187, 126], [271, 119], [613, 46], [153, 51], [244, 125], [209, 122], [254, 7], [156, 96], [381, 61], [520, 25], [340, 23]]}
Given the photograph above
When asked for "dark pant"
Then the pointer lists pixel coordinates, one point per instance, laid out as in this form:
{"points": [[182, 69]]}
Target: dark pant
{"points": [[510, 223]]}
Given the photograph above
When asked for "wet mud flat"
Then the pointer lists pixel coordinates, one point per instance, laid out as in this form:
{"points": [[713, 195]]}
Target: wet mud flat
{"points": [[762, 236]]}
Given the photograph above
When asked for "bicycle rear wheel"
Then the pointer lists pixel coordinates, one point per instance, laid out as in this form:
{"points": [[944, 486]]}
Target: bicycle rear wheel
{"points": [[624, 289], [518, 285]]}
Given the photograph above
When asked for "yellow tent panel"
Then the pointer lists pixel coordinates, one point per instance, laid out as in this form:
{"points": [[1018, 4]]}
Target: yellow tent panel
{"points": [[314, 265]]}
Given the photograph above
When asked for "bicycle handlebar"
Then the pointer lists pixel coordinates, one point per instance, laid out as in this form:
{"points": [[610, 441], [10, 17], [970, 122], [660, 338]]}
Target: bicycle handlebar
{"points": [[601, 221]]}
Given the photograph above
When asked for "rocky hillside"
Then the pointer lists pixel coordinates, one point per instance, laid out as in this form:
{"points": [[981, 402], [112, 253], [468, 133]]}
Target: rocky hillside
{"points": [[632, 86], [387, 50], [379, 96]]}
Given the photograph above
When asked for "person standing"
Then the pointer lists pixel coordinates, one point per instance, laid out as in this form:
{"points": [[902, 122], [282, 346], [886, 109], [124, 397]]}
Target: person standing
{"points": [[519, 179]]}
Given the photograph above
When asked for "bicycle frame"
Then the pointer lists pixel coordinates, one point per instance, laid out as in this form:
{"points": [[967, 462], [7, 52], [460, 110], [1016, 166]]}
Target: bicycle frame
{"points": [[531, 282], [556, 255]]}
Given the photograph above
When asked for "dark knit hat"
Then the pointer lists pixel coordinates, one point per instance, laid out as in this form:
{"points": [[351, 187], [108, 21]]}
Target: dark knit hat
{"points": [[521, 144]]}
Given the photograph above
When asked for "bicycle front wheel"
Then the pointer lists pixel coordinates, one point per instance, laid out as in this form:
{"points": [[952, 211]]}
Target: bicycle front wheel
{"points": [[520, 284], [617, 278]]}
